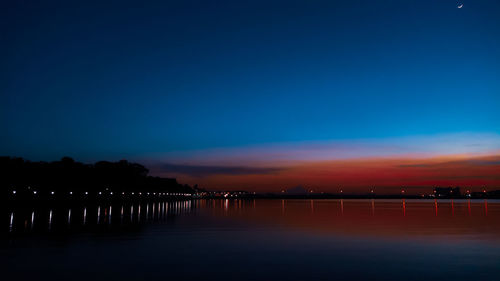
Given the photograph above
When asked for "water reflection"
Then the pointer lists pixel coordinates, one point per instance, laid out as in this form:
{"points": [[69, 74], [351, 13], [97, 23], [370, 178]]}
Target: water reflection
{"points": [[438, 239], [32, 219], [402, 217], [139, 213], [11, 221], [395, 218], [21, 220], [50, 219], [132, 213]]}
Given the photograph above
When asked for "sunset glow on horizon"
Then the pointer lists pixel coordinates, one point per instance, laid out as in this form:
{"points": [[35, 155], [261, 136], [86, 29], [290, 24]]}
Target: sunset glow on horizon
{"points": [[417, 164]]}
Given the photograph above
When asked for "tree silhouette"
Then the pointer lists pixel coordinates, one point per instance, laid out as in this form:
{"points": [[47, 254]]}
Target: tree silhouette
{"points": [[68, 178]]}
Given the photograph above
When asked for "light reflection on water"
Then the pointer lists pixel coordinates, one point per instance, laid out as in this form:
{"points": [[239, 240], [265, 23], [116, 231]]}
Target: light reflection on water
{"points": [[32, 219], [357, 216], [11, 221], [50, 219], [385, 218], [285, 239], [23, 219]]}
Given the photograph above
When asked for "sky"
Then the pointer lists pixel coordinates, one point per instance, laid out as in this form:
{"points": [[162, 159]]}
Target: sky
{"points": [[258, 95]]}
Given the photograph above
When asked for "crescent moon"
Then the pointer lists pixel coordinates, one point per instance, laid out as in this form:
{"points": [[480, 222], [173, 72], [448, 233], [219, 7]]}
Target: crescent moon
{"points": [[460, 6]]}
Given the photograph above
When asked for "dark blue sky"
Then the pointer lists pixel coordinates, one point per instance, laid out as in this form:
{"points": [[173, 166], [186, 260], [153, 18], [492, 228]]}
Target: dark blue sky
{"points": [[134, 80]]}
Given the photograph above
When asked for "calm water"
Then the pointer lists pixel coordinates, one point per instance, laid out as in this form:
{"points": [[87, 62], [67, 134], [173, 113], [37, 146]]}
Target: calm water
{"points": [[255, 240]]}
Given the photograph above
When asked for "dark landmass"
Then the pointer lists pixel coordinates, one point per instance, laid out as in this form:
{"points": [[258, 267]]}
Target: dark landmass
{"points": [[67, 179]]}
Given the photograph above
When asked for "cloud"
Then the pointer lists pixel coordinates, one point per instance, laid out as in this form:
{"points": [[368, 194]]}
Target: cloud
{"points": [[203, 171], [485, 162], [416, 165]]}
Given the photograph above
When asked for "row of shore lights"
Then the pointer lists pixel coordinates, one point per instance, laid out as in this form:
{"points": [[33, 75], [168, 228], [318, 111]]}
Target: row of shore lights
{"points": [[123, 193], [342, 191], [372, 191], [403, 191]]}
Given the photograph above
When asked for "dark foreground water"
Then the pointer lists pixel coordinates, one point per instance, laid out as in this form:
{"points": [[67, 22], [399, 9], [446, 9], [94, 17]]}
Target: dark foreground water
{"points": [[254, 240]]}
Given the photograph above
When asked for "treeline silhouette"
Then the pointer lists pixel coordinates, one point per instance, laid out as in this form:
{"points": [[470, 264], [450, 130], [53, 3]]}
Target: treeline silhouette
{"points": [[70, 179]]}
